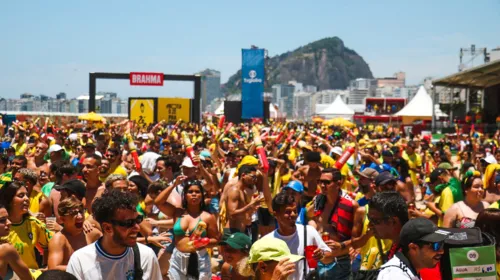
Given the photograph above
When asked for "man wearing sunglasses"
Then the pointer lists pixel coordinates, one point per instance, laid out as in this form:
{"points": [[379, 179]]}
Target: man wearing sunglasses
{"points": [[422, 248], [112, 256]]}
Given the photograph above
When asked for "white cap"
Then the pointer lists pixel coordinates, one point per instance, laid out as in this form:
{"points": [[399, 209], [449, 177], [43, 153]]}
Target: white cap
{"points": [[187, 163], [54, 148], [145, 136], [98, 153], [337, 150], [73, 137], [490, 159]]}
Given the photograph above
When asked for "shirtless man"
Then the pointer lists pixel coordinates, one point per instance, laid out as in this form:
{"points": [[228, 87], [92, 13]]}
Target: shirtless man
{"points": [[90, 172], [241, 204], [311, 172], [336, 218], [71, 237]]}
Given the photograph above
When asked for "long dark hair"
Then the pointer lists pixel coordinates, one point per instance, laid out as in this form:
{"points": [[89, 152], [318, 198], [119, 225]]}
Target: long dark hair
{"points": [[8, 192], [488, 221], [189, 184]]}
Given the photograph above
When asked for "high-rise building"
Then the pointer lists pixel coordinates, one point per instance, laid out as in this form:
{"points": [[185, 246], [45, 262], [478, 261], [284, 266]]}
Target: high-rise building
{"points": [[302, 105], [361, 88], [397, 80], [283, 96], [210, 86], [61, 95]]}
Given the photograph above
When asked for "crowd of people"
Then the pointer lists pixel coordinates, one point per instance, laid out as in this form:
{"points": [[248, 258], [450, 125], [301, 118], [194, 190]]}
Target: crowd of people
{"points": [[218, 200]]}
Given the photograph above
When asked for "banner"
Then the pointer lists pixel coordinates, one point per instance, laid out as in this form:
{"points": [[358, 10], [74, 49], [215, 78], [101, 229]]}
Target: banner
{"points": [[142, 111], [174, 109], [252, 83], [473, 263]]}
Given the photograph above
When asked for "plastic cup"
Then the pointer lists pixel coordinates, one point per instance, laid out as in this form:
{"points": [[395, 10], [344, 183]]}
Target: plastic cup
{"points": [[311, 262], [50, 221]]}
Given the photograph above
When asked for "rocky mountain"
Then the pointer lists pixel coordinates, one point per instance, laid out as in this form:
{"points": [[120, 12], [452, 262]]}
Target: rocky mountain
{"points": [[326, 63]]}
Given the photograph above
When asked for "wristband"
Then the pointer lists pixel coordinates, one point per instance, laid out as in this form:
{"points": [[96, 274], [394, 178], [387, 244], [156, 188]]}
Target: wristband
{"points": [[146, 239]]}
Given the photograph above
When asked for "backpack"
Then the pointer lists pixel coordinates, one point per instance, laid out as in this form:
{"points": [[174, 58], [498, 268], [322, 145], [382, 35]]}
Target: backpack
{"points": [[461, 238], [138, 272]]}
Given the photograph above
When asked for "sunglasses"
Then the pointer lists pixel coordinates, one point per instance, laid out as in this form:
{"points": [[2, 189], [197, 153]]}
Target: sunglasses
{"points": [[436, 246], [377, 221], [128, 223], [74, 212], [3, 220], [326, 182]]}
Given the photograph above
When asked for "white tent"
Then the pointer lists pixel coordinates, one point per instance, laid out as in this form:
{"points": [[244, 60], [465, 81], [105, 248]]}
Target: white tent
{"points": [[337, 109], [220, 109], [419, 108]]}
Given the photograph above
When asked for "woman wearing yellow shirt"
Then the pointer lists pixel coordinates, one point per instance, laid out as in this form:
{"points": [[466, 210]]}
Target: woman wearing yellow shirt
{"points": [[10, 262], [27, 234]]}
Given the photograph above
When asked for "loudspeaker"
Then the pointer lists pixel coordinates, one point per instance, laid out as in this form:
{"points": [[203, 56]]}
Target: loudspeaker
{"points": [[232, 111]]}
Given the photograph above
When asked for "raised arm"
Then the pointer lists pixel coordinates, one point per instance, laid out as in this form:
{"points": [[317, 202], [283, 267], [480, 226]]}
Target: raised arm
{"points": [[162, 203]]}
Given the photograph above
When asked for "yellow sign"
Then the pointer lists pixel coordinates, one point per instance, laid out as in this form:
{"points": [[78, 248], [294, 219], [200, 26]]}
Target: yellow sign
{"points": [[142, 111], [174, 109]]}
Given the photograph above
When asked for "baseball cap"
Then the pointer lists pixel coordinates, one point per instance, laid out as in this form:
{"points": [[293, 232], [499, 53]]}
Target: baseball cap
{"points": [[76, 186], [187, 162], [271, 249], [369, 173], [446, 166], [421, 229], [54, 148], [337, 150], [489, 159], [295, 185], [384, 178], [238, 241], [436, 173]]}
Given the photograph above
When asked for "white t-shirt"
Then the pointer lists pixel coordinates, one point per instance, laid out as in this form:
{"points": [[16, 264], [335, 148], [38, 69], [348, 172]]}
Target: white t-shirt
{"points": [[92, 263], [295, 243]]}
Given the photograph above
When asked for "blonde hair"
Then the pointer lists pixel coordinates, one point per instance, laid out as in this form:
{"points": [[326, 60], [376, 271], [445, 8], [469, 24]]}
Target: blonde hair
{"points": [[67, 204]]}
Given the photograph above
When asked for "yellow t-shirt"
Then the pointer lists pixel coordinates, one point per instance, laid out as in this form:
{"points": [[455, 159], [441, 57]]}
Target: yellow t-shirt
{"points": [[26, 236], [327, 161], [120, 170], [414, 161], [20, 148], [445, 203], [35, 201], [370, 254], [494, 205]]}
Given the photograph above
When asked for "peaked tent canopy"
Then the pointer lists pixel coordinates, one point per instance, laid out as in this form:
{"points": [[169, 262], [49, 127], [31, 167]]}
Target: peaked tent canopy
{"points": [[220, 109], [419, 108], [337, 109]]}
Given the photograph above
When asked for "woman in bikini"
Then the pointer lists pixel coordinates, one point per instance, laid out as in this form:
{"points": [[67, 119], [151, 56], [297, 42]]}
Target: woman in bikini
{"points": [[11, 265], [463, 214], [187, 260]]}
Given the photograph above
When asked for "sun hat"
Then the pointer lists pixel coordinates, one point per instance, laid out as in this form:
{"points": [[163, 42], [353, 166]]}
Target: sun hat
{"points": [[271, 249]]}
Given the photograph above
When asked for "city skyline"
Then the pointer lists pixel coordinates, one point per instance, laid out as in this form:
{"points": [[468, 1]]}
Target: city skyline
{"points": [[52, 46]]}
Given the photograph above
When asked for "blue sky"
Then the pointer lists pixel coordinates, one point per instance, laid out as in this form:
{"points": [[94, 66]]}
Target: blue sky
{"points": [[51, 46]]}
